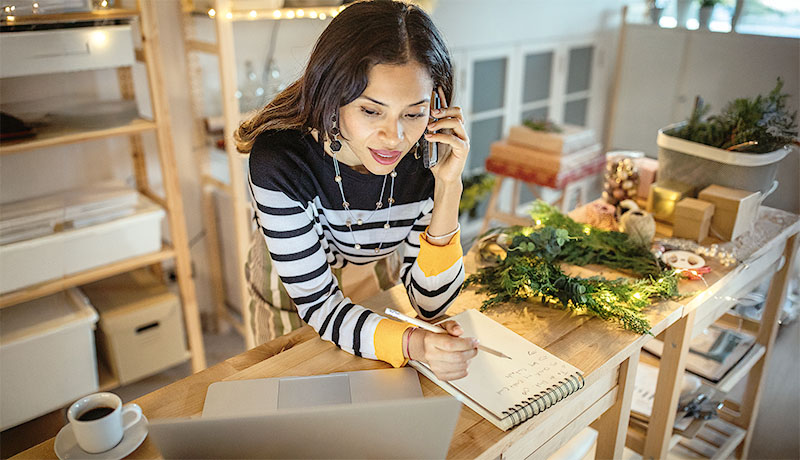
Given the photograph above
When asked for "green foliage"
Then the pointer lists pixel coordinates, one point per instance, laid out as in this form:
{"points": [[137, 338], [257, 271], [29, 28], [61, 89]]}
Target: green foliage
{"points": [[704, 3], [588, 245], [531, 268], [476, 188], [757, 125], [542, 125]]}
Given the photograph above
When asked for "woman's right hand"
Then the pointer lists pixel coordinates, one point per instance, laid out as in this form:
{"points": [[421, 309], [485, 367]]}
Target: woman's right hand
{"points": [[448, 355]]}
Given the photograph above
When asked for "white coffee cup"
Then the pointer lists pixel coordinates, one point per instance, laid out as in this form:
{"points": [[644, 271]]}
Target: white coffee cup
{"points": [[100, 430]]}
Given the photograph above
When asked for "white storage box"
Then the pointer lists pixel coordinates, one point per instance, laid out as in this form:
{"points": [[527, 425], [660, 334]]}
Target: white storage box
{"points": [[141, 328], [47, 356], [65, 50], [50, 257]]}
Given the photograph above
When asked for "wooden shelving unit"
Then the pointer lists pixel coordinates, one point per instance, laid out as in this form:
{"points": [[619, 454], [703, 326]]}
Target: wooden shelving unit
{"points": [[637, 431], [729, 436], [129, 124], [225, 14]]}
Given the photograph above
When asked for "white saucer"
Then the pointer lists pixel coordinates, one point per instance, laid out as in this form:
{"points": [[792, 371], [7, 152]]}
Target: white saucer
{"points": [[66, 446]]}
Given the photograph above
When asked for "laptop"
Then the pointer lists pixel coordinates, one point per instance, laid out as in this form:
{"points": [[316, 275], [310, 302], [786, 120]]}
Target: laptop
{"points": [[289, 419]]}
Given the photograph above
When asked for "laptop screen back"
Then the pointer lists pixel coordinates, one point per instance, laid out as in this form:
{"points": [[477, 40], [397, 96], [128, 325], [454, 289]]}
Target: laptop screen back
{"points": [[411, 428]]}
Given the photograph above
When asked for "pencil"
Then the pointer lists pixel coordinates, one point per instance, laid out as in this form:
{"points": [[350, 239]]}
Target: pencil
{"points": [[437, 330]]}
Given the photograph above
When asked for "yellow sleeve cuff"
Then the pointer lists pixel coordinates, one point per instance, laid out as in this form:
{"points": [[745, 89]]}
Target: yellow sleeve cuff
{"points": [[433, 259], [388, 342]]}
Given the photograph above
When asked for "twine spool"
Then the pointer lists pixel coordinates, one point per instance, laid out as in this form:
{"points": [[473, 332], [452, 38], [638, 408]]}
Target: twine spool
{"points": [[640, 227]]}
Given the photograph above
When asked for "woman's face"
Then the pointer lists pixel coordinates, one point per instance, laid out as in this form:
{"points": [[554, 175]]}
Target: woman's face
{"points": [[385, 122]]}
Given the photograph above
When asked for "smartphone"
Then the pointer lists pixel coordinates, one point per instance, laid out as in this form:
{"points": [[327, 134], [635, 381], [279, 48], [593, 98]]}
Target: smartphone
{"points": [[430, 156]]}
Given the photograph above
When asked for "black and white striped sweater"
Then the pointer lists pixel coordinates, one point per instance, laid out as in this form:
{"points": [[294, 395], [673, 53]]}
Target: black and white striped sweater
{"points": [[299, 209]]}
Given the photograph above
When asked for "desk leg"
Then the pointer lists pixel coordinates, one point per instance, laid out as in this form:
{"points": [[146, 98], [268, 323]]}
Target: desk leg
{"points": [[612, 426], [668, 388], [766, 336]]}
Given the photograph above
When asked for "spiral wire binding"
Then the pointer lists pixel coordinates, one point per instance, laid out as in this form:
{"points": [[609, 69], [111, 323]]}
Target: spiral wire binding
{"points": [[554, 394]]}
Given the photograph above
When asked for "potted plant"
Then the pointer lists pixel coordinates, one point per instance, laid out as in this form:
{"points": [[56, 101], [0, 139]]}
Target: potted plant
{"points": [[738, 148], [476, 188], [706, 10]]}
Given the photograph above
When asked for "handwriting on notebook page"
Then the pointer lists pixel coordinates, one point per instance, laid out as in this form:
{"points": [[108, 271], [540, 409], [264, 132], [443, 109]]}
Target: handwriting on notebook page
{"points": [[528, 378]]}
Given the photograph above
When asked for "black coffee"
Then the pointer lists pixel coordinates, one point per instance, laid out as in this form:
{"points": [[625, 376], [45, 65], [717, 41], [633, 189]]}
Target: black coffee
{"points": [[94, 414]]}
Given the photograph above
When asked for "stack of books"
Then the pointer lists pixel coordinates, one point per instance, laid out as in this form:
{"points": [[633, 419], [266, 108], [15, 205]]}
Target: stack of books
{"points": [[547, 158]]}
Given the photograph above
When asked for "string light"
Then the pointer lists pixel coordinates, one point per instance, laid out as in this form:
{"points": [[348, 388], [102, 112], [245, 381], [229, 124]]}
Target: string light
{"points": [[321, 14], [104, 3]]}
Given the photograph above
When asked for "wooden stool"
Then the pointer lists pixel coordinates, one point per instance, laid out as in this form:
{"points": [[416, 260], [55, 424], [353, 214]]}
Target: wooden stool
{"points": [[571, 182]]}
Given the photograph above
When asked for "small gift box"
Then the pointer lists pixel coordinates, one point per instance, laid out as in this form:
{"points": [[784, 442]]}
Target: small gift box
{"points": [[692, 219], [648, 169], [664, 196], [734, 210]]}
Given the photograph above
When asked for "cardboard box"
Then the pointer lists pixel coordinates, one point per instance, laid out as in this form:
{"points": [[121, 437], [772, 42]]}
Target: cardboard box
{"points": [[47, 355], [734, 212], [141, 328], [664, 196], [571, 139], [692, 219]]}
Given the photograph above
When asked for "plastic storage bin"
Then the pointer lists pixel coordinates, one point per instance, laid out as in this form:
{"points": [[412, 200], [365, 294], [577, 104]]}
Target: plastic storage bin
{"points": [[66, 50], [141, 328], [50, 257], [47, 355], [702, 165]]}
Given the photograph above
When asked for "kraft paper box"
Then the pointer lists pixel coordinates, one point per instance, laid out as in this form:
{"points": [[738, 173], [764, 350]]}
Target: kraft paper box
{"points": [[692, 219], [664, 196], [734, 210]]}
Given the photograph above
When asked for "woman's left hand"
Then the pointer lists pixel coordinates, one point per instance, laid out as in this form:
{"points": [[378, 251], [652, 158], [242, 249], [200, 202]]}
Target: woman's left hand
{"points": [[452, 136]]}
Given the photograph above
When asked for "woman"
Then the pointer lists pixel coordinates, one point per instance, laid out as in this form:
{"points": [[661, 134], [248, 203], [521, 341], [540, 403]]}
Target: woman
{"points": [[337, 178]]}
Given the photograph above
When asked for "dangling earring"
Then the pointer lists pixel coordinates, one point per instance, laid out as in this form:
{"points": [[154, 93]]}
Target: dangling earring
{"points": [[335, 144]]}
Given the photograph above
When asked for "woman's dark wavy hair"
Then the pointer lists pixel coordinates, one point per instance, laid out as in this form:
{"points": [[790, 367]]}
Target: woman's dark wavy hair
{"points": [[362, 35]]}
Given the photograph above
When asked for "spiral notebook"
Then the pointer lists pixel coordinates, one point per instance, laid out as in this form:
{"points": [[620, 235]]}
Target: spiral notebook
{"points": [[508, 392]]}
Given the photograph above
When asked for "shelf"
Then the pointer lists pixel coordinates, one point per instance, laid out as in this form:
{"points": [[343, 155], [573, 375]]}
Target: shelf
{"points": [[738, 371], [67, 131], [106, 379], [637, 432], [85, 16], [85, 277], [716, 440]]}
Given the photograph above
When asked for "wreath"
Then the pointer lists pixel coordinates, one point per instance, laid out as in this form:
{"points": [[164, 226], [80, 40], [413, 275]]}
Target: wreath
{"points": [[525, 262]]}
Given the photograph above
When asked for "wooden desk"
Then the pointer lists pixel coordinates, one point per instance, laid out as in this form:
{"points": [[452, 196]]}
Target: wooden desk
{"points": [[770, 248], [605, 353]]}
